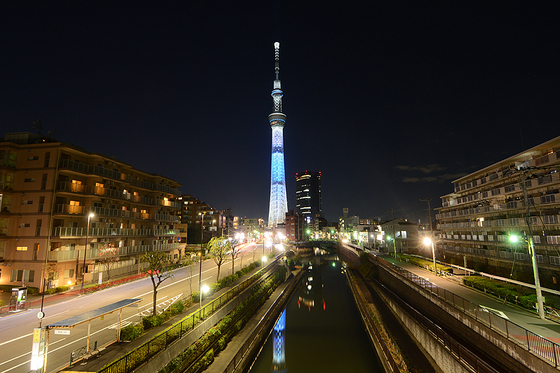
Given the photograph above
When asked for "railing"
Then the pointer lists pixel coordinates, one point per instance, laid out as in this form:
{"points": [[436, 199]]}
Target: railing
{"points": [[99, 232], [106, 172], [260, 331], [540, 346], [138, 356], [66, 255]]}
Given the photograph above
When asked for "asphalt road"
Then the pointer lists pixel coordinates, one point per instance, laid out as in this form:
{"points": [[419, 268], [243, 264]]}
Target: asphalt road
{"points": [[16, 329]]}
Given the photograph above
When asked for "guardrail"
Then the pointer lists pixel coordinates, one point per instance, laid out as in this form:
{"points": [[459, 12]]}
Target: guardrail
{"points": [[142, 353], [539, 345]]}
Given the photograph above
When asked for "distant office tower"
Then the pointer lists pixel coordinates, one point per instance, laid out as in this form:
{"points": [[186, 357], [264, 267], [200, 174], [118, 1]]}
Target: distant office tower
{"points": [[308, 195], [278, 202]]}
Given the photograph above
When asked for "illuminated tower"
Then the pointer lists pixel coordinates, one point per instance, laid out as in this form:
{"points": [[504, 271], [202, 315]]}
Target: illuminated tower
{"points": [[278, 202]]}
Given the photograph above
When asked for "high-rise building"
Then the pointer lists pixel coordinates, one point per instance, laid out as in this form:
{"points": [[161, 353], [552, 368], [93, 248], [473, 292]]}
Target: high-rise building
{"points": [[278, 200], [308, 196], [519, 195], [59, 202]]}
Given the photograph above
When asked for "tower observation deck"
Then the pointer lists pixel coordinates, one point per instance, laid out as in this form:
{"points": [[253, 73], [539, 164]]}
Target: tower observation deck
{"points": [[278, 201]]}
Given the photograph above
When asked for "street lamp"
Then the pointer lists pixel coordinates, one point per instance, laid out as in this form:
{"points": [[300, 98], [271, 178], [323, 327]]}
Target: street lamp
{"points": [[515, 239], [203, 290], [201, 241], [85, 252], [428, 241]]}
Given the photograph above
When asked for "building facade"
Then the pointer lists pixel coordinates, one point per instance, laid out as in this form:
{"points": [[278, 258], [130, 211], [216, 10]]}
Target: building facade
{"points": [[204, 221], [59, 201], [519, 195], [308, 196]]}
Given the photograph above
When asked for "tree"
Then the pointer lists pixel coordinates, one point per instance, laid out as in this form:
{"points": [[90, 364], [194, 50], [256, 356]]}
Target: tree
{"points": [[189, 261], [234, 251], [158, 270], [106, 256], [217, 249]]}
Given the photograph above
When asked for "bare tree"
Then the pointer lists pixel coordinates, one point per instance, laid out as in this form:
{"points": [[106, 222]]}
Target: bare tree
{"points": [[190, 261], [234, 251], [106, 256], [218, 248], [158, 270]]}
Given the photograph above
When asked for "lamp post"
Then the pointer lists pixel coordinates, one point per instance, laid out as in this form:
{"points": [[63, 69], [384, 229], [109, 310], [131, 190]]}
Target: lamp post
{"points": [[85, 252], [203, 290], [201, 241], [428, 241], [531, 248]]}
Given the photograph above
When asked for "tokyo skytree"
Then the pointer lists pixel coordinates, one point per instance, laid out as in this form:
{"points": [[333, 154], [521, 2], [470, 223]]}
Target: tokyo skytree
{"points": [[278, 202]]}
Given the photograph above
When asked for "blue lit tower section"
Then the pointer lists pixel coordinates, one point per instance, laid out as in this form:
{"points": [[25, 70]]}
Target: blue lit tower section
{"points": [[278, 202], [278, 345]]}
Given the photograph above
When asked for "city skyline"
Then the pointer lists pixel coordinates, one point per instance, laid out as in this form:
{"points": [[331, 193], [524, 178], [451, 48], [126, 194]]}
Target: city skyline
{"points": [[390, 102]]}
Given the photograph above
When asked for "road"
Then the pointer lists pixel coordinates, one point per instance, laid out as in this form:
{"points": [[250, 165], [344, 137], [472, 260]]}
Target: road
{"points": [[16, 329]]}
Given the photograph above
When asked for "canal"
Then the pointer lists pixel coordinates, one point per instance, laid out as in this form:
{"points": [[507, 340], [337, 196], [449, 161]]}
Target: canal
{"points": [[321, 329]]}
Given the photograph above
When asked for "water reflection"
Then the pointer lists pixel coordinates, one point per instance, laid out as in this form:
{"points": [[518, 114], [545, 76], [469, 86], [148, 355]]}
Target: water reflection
{"points": [[311, 290], [312, 337], [278, 347]]}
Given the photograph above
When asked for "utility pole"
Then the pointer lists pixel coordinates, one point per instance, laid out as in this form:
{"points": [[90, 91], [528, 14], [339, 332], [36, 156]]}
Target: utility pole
{"points": [[430, 211], [532, 250], [394, 237]]}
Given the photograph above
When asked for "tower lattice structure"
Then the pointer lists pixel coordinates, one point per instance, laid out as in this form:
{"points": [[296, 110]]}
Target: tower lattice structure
{"points": [[278, 201]]}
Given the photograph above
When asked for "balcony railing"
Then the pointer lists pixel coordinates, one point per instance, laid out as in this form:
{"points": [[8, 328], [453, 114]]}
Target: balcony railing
{"points": [[92, 254], [113, 174], [99, 232]]}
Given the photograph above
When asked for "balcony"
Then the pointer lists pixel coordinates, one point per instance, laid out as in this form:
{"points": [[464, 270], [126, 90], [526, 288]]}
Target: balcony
{"points": [[68, 209], [92, 254], [68, 232], [166, 232]]}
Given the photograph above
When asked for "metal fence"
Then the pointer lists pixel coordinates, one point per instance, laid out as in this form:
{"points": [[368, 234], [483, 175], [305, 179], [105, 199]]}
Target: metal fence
{"points": [[540, 346]]}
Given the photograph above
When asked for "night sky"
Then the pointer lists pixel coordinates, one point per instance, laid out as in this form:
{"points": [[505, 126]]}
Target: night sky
{"points": [[391, 101]]}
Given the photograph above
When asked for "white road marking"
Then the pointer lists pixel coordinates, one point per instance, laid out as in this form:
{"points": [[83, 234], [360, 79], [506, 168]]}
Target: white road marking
{"points": [[496, 312]]}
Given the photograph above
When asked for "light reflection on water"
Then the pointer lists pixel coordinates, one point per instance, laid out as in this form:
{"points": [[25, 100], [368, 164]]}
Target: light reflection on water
{"points": [[320, 330]]}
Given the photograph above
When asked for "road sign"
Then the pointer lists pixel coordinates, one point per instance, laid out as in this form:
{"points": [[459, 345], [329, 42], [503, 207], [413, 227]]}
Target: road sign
{"points": [[62, 331]]}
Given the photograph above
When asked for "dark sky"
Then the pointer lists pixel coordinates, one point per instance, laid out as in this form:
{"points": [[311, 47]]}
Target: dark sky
{"points": [[391, 101]]}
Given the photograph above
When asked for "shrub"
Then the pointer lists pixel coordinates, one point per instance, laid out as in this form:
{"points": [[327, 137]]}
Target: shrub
{"points": [[2, 303], [60, 289], [177, 307], [195, 296], [131, 332], [32, 290], [151, 321]]}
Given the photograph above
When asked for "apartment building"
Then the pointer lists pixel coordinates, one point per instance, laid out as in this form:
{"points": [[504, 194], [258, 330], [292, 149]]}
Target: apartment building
{"points": [[489, 205], [199, 215], [59, 201]]}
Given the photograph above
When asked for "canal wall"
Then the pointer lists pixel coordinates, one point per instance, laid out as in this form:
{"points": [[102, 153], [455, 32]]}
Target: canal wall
{"points": [[445, 360], [487, 343]]}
